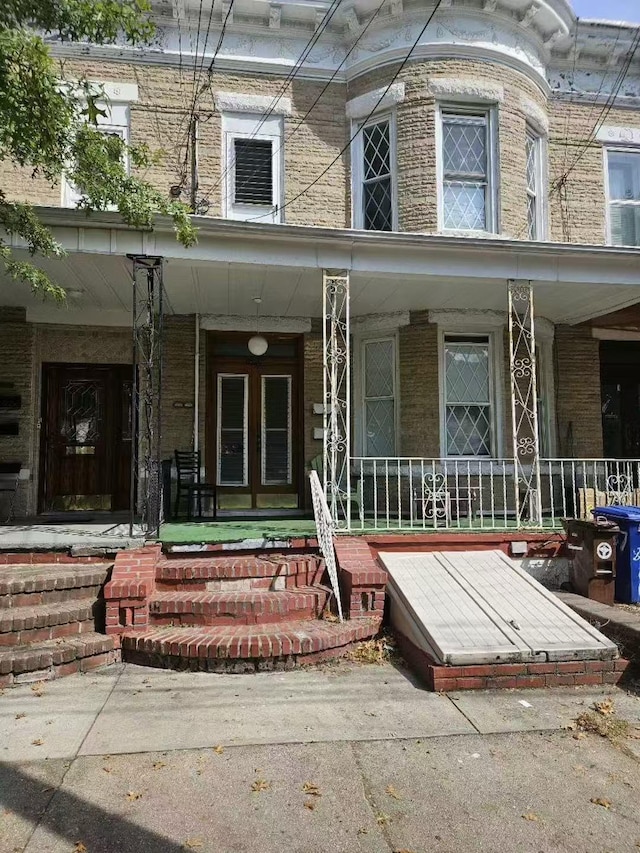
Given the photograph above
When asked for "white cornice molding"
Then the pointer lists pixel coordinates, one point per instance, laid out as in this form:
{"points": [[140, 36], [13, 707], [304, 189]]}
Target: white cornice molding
{"points": [[235, 102], [465, 88], [535, 115], [369, 323], [379, 99], [238, 323]]}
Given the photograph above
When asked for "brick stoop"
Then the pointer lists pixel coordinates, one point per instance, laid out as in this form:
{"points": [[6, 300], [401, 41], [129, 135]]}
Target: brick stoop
{"points": [[245, 648], [509, 675], [49, 617], [234, 612]]}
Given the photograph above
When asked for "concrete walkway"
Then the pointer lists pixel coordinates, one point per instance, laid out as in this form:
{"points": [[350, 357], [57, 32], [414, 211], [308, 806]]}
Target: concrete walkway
{"points": [[123, 760]]}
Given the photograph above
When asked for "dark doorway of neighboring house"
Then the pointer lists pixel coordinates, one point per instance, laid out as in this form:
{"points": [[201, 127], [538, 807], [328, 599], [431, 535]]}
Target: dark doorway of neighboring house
{"points": [[85, 458], [620, 386]]}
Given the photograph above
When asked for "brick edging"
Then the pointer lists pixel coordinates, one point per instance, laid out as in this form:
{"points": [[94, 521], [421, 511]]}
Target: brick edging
{"points": [[362, 580], [509, 675], [133, 582]]}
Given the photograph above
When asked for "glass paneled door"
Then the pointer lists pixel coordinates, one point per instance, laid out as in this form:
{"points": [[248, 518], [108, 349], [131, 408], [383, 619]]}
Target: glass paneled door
{"points": [[256, 429]]}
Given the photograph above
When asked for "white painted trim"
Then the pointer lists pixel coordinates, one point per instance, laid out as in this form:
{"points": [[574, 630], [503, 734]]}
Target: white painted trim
{"points": [[357, 171], [236, 102], [610, 135], [535, 116], [496, 387], [361, 106], [466, 89], [236, 323], [372, 323], [541, 182], [263, 431], [245, 429], [615, 334], [459, 321], [545, 369], [114, 92]]}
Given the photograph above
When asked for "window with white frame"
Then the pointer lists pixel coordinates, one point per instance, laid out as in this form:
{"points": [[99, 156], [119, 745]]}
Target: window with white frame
{"points": [[467, 190], [624, 197], [374, 179], [115, 122], [379, 396], [533, 150], [468, 395], [252, 167]]}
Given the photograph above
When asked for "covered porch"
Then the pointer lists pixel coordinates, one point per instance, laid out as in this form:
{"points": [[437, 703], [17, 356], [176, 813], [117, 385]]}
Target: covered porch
{"points": [[434, 383]]}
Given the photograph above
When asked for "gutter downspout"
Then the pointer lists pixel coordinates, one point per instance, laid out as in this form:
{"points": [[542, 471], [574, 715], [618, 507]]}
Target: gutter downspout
{"points": [[196, 388]]}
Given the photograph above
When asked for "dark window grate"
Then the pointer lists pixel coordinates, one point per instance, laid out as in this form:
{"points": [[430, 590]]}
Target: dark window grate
{"points": [[253, 171]]}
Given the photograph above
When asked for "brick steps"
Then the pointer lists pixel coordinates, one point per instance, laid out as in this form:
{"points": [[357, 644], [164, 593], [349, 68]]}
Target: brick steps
{"points": [[245, 647], [256, 571], [233, 608], [54, 658], [48, 616]]}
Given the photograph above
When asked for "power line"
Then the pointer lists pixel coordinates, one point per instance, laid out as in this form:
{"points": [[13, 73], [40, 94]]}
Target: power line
{"points": [[365, 121], [313, 105]]}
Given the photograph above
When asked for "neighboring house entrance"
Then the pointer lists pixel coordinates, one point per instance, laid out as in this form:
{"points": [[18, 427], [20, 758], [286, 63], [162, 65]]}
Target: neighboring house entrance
{"points": [[620, 382], [256, 423], [86, 437]]}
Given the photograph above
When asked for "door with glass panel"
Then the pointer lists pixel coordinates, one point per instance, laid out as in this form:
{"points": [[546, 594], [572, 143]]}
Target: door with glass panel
{"points": [[256, 452]]}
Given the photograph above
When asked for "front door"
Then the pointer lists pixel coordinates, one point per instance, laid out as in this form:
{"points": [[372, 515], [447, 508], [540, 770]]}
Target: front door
{"points": [[256, 431], [620, 388], [86, 438]]}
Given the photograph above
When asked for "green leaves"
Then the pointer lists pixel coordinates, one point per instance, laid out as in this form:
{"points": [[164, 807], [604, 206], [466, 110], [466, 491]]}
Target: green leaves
{"points": [[51, 126]]}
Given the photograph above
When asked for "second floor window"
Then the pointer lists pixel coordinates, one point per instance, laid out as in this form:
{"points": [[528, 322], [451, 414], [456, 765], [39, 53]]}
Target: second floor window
{"points": [[466, 171], [534, 186], [624, 197], [373, 177]]}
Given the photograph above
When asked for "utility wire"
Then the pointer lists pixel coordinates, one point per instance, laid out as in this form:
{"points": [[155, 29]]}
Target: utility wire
{"points": [[313, 105], [399, 70]]}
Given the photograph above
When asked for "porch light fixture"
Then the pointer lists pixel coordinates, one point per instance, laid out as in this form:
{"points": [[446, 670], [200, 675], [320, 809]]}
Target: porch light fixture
{"points": [[257, 344]]}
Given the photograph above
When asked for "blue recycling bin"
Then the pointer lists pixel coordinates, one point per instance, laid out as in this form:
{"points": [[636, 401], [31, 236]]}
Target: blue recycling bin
{"points": [[628, 550]]}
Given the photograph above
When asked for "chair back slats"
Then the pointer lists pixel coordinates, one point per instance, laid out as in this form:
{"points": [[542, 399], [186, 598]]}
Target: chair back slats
{"points": [[188, 466]]}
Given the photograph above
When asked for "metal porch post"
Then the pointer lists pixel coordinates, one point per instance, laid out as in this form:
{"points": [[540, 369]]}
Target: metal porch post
{"points": [[146, 487], [524, 404], [337, 396]]}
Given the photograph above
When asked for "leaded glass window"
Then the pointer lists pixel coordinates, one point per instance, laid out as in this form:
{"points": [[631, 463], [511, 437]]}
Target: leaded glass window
{"points": [[533, 185], [624, 197], [377, 193], [465, 162], [379, 391], [468, 397]]}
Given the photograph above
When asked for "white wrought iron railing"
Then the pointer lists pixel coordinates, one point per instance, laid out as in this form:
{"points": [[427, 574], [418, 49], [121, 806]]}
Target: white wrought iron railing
{"points": [[324, 531], [480, 494]]}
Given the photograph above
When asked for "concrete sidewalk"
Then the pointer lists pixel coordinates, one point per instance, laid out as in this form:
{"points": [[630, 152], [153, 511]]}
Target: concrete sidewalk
{"points": [[122, 761]]}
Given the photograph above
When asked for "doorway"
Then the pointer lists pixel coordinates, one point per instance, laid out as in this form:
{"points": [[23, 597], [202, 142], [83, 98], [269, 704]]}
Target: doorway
{"points": [[85, 438], [620, 387], [255, 424]]}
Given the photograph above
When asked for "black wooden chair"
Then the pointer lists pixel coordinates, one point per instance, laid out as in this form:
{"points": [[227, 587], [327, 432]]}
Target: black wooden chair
{"points": [[189, 484]]}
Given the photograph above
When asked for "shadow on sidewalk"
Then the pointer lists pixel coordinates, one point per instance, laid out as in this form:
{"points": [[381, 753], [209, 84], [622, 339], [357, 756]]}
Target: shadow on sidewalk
{"points": [[75, 819]]}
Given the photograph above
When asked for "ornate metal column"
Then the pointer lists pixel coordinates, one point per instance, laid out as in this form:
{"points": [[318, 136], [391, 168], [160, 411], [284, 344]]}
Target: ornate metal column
{"points": [[524, 404], [146, 487], [337, 395]]}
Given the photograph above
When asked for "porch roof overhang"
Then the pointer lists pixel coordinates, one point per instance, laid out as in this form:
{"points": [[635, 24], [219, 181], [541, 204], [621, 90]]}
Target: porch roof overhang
{"points": [[235, 261]]}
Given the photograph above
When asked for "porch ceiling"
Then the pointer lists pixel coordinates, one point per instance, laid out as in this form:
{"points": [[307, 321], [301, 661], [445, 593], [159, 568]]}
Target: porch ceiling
{"points": [[235, 262]]}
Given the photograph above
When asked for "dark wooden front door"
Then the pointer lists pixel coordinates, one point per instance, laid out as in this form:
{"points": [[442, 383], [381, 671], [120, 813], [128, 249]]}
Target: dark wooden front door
{"points": [[86, 437], [256, 425]]}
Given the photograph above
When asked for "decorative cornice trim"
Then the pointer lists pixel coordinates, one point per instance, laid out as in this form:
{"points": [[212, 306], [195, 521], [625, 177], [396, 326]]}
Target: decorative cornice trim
{"points": [[361, 106], [465, 88], [535, 115], [237, 323], [618, 135], [235, 102], [379, 322]]}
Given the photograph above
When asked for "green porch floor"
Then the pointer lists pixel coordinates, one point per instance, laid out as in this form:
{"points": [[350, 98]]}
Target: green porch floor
{"points": [[215, 532]]}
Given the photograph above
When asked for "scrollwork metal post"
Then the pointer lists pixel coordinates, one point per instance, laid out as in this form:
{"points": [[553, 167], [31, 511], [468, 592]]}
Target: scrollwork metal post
{"points": [[337, 394], [524, 404]]}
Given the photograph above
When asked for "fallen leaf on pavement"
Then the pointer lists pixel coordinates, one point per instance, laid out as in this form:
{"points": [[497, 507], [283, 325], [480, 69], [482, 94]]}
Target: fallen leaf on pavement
{"points": [[20, 716], [382, 819], [108, 769], [260, 785], [37, 742], [309, 804], [38, 688], [530, 816], [193, 843], [158, 765], [605, 707], [579, 736], [133, 795], [362, 831], [79, 848], [218, 749], [391, 791], [312, 789], [601, 801]]}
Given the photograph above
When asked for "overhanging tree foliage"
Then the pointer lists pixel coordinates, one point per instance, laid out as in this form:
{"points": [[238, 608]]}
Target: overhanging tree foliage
{"points": [[48, 125]]}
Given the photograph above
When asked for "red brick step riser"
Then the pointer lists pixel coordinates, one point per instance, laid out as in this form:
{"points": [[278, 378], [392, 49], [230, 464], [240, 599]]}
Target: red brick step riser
{"points": [[52, 596], [39, 635], [303, 571]]}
